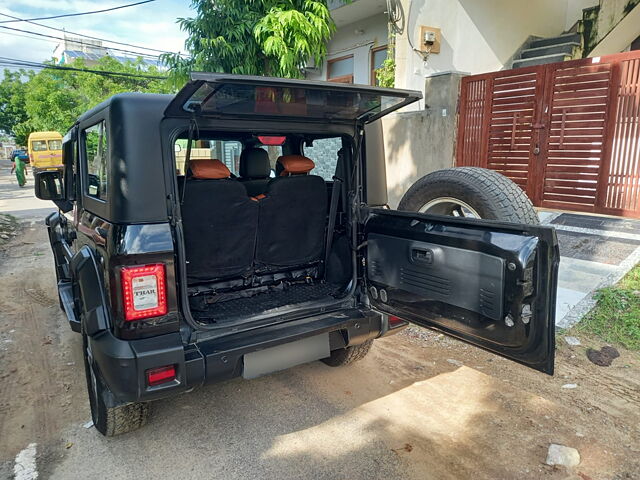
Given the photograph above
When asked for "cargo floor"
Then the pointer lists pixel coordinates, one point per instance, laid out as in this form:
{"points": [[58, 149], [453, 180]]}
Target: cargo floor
{"points": [[216, 309]]}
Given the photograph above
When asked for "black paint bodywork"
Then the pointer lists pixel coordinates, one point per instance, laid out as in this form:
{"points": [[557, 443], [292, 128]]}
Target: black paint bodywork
{"points": [[141, 224], [431, 267]]}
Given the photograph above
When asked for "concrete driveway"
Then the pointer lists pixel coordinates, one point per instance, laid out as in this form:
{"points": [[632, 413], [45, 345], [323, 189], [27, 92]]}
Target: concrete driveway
{"points": [[21, 202], [596, 252]]}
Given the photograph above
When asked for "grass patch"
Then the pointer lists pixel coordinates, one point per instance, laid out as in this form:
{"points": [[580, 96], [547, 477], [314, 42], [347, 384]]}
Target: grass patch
{"points": [[616, 316]]}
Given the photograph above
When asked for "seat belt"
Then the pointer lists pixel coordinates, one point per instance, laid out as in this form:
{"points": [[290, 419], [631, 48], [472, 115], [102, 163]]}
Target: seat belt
{"points": [[187, 158], [333, 210]]}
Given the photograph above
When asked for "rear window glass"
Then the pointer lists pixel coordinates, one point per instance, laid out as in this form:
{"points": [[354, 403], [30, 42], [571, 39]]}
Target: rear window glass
{"points": [[239, 99], [39, 145], [55, 144]]}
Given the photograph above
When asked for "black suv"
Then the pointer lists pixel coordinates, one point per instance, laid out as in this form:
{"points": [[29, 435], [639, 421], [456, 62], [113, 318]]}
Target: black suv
{"points": [[240, 227]]}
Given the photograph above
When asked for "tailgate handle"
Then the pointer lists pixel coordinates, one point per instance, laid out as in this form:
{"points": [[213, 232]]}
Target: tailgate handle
{"points": [[423, 255]]}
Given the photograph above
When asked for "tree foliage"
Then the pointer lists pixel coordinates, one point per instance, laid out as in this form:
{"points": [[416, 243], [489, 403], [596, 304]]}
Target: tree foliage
{"points": [[54, 99], [253, 37], [12, 100]]}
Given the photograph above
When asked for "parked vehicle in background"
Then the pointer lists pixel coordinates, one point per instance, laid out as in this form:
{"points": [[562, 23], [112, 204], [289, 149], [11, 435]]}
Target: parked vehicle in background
{"points": [[45, 150], [182, 260]]}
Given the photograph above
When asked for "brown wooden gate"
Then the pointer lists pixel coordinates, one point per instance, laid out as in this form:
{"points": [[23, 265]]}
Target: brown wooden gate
{"points": [[567, 133]]}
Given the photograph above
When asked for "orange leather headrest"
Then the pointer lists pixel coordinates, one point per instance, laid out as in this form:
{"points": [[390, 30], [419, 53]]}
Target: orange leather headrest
{"points": [[295, 165], [208, 169]]}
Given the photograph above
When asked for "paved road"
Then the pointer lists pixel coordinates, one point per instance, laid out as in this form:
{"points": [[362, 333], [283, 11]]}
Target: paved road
{"points": [[419, 406], [21, 202]]}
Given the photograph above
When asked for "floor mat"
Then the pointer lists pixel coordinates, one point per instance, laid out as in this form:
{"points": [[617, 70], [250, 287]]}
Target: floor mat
{"points": [[595, 248], [245, 307]]}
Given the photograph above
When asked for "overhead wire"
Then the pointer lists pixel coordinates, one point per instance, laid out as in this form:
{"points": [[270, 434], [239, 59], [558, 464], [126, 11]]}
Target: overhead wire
{"points": [[140, 47], [14, 62], [83, 13], [139, 54]]}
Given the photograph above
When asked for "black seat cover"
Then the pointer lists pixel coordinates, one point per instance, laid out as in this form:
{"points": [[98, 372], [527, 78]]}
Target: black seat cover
{"points": [[292, 216], [220, 223], [255, 170]]}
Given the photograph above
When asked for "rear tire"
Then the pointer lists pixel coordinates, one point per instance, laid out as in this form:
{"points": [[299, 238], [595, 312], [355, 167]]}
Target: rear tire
{"points": [[114, 419], [485, 193], [345, 356]]}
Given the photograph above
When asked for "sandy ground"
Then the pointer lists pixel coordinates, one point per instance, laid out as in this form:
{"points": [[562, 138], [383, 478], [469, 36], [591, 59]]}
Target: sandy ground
{"points": [[419, 406]]}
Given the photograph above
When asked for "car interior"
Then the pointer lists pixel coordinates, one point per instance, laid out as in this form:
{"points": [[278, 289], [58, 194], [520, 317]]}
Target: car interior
{"points": [[255, 215]]}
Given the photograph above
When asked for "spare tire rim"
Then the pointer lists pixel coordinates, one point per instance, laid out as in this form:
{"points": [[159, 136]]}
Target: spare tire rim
{"points": [[453, 207]]}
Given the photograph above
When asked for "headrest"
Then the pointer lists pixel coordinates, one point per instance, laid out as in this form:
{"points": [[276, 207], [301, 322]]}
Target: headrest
{"points": [[254, 163], [295, 165], [208, 169]]}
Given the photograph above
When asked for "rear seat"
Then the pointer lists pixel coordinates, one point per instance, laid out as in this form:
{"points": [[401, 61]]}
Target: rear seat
{"points": [[255, 170], [220, 223], [292, 217]]}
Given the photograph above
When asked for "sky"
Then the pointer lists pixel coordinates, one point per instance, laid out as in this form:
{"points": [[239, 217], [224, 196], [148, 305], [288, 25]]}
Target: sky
{"points": [[150, 25]]}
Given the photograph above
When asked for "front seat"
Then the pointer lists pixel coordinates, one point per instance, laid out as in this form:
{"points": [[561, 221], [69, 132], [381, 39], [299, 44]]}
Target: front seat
{"points": [[255, 170], [219, 223], [292, 216]]}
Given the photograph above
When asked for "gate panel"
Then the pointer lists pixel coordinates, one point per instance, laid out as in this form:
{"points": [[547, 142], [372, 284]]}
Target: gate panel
{"points": [[575, 136], [471, 126], [622, 194], [515, 97], [567, 133]]}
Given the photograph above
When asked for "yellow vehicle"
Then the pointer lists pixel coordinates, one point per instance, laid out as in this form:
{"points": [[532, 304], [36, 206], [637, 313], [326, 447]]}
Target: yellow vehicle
{"points": [[45, 150]]}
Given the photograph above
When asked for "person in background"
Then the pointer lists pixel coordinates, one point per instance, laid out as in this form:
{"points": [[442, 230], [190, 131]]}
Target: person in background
{"points": [[20, 158]]}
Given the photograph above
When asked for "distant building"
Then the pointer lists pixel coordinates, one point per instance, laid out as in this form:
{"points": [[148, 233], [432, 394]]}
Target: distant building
{"points": [[90, 51]]}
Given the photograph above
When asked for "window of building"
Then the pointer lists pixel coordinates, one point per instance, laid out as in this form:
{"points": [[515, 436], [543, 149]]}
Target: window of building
{"points": [[340, 70], [378, 56], [96, 157]]}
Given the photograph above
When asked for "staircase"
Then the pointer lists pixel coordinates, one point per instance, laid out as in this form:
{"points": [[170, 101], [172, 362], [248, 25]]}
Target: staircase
{"points": [[567, 46]]}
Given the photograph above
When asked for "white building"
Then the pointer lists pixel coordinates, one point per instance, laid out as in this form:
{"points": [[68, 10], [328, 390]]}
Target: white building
{"points": [[90, 51], [472, 36], [468, 37]]}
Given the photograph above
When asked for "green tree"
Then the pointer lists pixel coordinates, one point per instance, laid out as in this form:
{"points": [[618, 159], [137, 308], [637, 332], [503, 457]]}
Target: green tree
{"points": [[253, 37], [53, 99], [13, 114]]}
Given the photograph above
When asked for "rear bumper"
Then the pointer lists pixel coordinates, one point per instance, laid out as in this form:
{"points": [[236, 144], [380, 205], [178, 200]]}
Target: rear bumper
{"points": [[123, 364], [41, 168]]}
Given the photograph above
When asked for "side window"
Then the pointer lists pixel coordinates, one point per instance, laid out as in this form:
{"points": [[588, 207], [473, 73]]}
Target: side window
{"points": [[324, 153], [227, 151], [96, 155]]}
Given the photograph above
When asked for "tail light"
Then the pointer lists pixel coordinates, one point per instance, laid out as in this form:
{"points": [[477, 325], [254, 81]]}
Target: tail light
{"points": [[144, 291], [157, 376], [395, 321]]}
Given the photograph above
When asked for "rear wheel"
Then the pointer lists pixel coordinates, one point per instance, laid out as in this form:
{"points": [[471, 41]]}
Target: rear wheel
{"points": [[470, 192], [345, 356], [109, 417]]}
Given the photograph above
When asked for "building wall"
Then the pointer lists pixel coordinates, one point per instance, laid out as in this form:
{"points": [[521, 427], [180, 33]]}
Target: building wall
{"points": [[357, 38], [477, 36], [616, 27], [574, 11], [420, 142]]}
